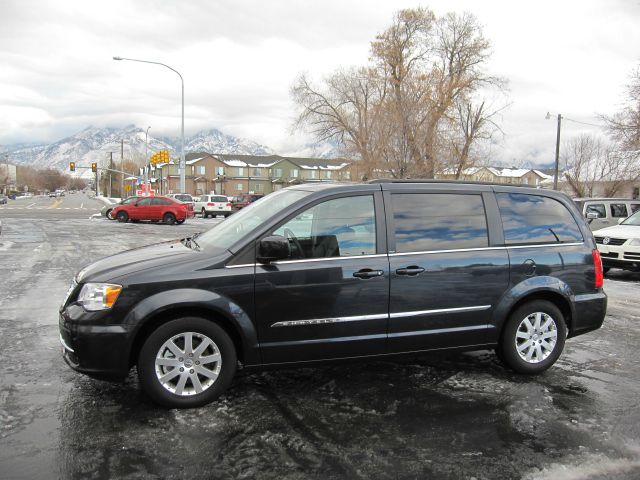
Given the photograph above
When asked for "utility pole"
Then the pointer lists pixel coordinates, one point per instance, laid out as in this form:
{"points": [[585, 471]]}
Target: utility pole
{"points": [[555, 176], [110, 175], [122, 167]]}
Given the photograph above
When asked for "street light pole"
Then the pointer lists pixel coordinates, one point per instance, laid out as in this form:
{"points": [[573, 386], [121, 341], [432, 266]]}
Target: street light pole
{"points": [[182, 162], [557, 164], [146, 160]]}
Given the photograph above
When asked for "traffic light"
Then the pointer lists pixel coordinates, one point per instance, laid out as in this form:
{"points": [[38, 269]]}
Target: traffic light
{"points": [[72, 166], [94, 167]]}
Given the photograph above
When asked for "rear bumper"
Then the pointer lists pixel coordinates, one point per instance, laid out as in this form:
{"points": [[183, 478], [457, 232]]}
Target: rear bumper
{"points": [[590, 310]]}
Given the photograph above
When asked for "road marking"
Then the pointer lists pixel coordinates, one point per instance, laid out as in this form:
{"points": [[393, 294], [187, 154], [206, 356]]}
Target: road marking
{"points": [[29, 206], [82, 205]]}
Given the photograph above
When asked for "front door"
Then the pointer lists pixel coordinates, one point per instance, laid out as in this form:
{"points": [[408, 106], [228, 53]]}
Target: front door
{"points": [[330, 298], [445, 278]]}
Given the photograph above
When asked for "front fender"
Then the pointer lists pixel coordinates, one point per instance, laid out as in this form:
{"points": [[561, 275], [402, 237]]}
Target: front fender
{"points": [[528, 287], [153, 307]]}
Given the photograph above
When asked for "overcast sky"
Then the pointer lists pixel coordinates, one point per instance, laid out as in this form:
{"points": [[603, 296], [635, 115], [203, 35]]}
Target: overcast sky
{"points": [[240, 57]]}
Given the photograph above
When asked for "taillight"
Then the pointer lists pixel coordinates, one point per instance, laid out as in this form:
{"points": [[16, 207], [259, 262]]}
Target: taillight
{"points": [[597, 264], [229, 204], [211, 204]]}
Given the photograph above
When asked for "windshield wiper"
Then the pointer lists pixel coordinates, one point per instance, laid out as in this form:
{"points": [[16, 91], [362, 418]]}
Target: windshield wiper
{"points": [[191, 242]]}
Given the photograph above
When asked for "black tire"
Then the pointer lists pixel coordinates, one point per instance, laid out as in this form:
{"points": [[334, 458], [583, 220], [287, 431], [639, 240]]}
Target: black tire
{"points": [[122, 217], [169, 218], [108, 214], [605, 269], [154, 348], [516, 335], [180, 222]]}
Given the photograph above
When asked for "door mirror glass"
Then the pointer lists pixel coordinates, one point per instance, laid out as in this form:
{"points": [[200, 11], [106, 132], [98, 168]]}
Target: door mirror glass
{"points": [[273, 248], [592, 215]]}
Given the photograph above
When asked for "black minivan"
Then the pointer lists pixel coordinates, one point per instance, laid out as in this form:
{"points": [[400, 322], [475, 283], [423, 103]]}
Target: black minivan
{"points": [[321, 272]]}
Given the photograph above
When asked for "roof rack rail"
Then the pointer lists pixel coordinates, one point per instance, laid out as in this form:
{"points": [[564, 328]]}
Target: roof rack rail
{"points": [[457, 182]]}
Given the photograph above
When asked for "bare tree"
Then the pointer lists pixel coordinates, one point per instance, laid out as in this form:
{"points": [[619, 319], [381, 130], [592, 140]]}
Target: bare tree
{"points": [[593, 164], [394, 115], [624, 126]]}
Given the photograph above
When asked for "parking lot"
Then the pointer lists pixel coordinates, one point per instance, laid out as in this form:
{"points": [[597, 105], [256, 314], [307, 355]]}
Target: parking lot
{"points": [[447, 416]]}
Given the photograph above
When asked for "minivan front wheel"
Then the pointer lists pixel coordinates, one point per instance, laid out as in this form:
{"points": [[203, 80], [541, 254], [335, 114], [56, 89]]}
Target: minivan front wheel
{"points": [[533, 337], [187, 362]]}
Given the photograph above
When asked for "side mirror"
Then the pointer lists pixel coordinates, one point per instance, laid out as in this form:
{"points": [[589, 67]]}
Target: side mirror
{"points": [[592, 215], [273, 248]]}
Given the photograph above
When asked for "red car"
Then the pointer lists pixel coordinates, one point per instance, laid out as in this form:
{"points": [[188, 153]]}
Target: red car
{"points": [[156, 209]]}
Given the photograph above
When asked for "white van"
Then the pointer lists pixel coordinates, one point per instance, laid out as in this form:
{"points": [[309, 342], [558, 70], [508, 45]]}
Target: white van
{"points": [[610, 211]]}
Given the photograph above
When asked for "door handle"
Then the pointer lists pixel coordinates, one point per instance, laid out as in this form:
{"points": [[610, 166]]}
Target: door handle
{"points": [[368, 273], [411, 270]]}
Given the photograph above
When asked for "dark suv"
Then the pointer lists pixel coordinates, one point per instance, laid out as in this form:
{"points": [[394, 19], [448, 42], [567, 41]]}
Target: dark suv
{"points": [[330, 271]]}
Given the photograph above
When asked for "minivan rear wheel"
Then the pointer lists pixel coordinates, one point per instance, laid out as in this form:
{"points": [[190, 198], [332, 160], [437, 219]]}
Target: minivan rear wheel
{"points": [[187, 362], [533, 337]]}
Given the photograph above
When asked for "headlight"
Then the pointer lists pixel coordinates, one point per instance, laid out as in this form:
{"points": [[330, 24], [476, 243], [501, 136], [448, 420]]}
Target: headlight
{"points": [[635, 242], [98, 296]]}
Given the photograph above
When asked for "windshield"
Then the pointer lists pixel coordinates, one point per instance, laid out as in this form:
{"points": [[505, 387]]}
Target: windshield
{"points": [[633, 220], [224, 235], [183, 198]]}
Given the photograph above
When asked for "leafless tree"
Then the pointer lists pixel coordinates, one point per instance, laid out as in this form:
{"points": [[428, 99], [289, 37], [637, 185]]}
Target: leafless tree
{"points": [[624, 126], [394, 114], [594, 164]]}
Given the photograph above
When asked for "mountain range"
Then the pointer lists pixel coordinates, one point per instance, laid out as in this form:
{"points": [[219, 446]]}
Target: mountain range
{"points": [[95, 144]]}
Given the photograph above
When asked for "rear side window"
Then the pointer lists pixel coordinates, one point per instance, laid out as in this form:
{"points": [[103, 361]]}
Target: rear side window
{"points": [[144, 202], [161, 201], [597, 208], [619, 210], [439, 221], [529, 219]]}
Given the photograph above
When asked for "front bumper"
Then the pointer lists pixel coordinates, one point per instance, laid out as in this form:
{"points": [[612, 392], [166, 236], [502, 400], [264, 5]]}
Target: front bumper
{"points": [[100, 351], [620, 256]]}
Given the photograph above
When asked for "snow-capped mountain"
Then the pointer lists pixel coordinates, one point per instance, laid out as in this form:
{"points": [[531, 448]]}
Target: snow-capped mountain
{"points": [[95, 144]]}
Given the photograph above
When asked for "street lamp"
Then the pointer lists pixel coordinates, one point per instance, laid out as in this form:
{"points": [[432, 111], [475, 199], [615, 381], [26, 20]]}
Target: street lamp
{"points": [[555, 175], [182, 162], [146, 160]]}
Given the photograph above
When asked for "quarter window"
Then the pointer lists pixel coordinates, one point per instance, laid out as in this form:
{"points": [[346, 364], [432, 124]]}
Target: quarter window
{"points": [[341, 227], [529, 219], [439, 221], [635, 207], [619, 210]]}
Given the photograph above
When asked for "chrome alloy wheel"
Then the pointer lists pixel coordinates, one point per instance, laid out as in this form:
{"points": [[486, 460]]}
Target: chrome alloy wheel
{"points": [[536, 337], [188, 363]]}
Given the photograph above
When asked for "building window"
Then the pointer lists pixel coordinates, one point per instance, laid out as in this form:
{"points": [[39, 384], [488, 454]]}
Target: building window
{"points": [[240, 171], [327, 174], [200, 170], [239, 187], [313, 174], [256, 172], [259, 187], [294, 173], [277, 172], [219, 170]]}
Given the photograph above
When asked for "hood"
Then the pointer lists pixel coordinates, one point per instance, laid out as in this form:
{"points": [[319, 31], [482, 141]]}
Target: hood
{"points": [[135, 260], [619, 231]]}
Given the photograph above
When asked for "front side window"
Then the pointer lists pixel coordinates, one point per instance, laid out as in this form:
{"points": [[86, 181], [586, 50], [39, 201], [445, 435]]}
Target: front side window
{"points": [[439, 221], [596, 208], [530, 219], [635, 207], [341, 227], [144, 202], [619, 210]]}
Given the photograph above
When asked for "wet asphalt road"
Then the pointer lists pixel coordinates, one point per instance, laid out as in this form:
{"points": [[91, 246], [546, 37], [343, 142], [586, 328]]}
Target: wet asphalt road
{"points": [[446, 416]]}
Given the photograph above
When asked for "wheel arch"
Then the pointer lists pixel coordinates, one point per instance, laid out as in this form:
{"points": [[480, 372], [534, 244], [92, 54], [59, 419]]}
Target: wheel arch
{"points": [[156, 311], [551, 290]]}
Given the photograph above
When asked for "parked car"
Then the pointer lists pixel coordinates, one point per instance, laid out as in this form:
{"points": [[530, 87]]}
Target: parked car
{"points": [[158, 209], [620, 245], [605, 212], [107, 209], [182, 197], [3, 200], [212, 205], [325, 272], [242, 201], [53, 195]]}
